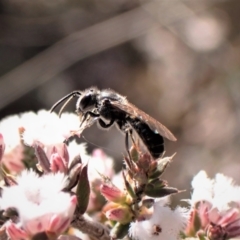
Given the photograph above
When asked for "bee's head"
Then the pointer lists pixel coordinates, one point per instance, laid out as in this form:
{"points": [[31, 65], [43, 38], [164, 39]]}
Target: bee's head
{"points": [[87, 101]]}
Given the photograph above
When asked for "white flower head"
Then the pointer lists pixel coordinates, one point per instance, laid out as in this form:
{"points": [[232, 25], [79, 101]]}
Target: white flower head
{"points": [[43, 127], [40, 203], [216, 203], [219, 192], [225, 192], [13, 154], [48, 129], [163, 224], [202, 188]]}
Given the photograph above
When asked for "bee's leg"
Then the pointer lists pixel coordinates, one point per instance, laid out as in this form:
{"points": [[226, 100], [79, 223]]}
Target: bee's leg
{"points": [[127, 145], [131, 135], [124, 127], [105, 125], [89, 113], [129, 132], [127, 142]]}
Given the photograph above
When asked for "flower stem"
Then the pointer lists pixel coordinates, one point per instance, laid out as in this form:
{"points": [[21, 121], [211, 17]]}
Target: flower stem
{"points": [[86, 225]]}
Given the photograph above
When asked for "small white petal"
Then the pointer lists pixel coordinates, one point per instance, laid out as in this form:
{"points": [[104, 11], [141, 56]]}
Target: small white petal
{"points": [[169, 222], [76, 149], [225, 192], [202, 188]]}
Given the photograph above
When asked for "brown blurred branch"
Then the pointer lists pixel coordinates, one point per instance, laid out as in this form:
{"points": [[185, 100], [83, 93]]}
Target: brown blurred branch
{"points": [[96, 230], [82, 44]]}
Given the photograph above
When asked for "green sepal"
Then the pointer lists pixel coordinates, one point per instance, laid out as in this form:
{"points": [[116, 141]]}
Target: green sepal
{"points": [[161, 166], [42, 158], [76, 161], [156, 183], [128, 186], [119, 231], [73, 176], [83, 190], [134, 154], [160, 192]]}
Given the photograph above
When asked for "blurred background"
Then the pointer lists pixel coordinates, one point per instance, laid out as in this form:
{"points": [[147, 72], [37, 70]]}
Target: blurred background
{"points": [[178, 60]]}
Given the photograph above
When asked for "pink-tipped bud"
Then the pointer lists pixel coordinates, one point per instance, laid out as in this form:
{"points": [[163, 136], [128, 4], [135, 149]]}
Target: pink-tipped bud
{"points": [[204, 209], [61, 150], [112, 193], [15, 232], [58, 224], [65, 154], [56, 163], [193, 223], [120, 214], [2, 146], [229, 217], [233, 229]]}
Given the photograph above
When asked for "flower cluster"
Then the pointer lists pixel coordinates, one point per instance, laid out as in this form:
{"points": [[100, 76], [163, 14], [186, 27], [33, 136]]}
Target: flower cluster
{"points": [[137, 207], [52, 189], [38, 198], [44, 128], [215, 212]]}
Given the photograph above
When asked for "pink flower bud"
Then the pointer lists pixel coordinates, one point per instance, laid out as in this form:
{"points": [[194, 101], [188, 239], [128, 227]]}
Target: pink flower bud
{"points": [[192, 225], [233, 229], [120, 214], [2, 146], [15, 232], [56, 163], [112, 193], [230, 216], [60, 149], [58, 224]]}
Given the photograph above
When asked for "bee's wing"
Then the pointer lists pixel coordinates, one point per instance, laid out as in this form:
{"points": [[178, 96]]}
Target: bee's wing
{"points": [[133, 111]]}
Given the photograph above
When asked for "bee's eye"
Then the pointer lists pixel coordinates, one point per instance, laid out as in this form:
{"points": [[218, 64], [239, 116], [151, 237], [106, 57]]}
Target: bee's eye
{"points": [[87, 102]]}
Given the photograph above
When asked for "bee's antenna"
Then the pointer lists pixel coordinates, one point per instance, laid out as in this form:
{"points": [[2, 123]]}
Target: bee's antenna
{"points": [[68, 98]]}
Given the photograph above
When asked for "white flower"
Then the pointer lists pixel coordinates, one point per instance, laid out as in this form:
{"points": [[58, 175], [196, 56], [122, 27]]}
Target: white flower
{"points": [[216, 203], [219, 192], [76, 149], [164, 224], [202, 187], [100, 163], [48, 129], [13, 154], [40, 203]]}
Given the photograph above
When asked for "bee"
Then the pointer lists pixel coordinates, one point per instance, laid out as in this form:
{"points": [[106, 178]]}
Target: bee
{"points": [[106, 104]]}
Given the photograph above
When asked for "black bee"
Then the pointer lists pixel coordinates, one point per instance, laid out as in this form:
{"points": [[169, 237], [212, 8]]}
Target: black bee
{"points": [[111, 106]]}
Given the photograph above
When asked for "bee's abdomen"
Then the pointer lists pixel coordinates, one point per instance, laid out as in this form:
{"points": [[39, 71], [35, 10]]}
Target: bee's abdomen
{"points": [[152, 140]]}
